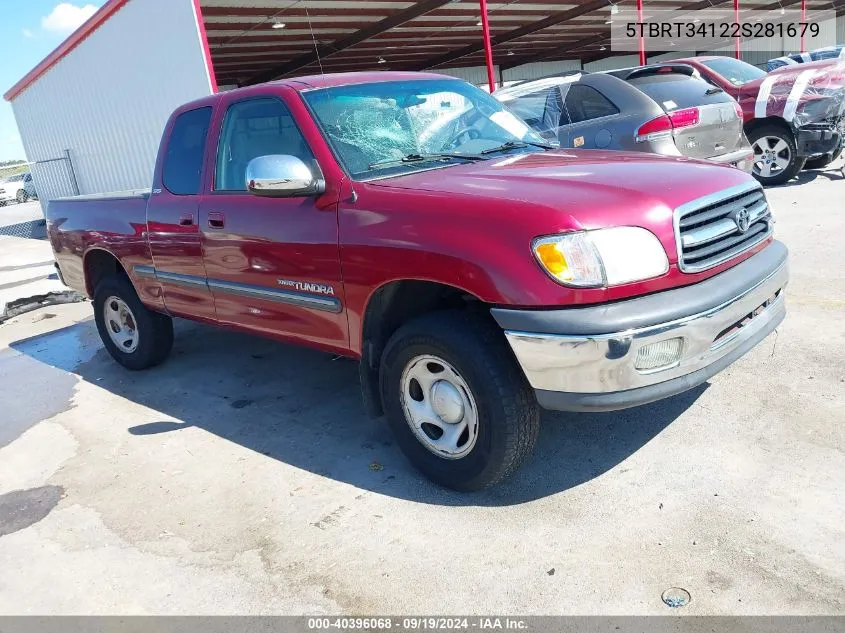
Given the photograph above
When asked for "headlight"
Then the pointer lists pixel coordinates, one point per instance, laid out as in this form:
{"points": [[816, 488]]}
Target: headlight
{"points": [[604, 257]]}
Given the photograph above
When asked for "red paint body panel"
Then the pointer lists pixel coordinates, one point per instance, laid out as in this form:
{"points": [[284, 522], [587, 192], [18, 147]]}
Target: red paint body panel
{"points": [[468, 226]]}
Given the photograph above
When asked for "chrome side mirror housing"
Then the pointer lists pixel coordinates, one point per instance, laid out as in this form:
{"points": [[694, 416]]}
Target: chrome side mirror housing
{"points": [[282, 176]]}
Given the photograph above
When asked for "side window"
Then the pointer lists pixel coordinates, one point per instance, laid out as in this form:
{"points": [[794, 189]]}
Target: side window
{"points": [[584, 103], [254, 128], [182, 169]]}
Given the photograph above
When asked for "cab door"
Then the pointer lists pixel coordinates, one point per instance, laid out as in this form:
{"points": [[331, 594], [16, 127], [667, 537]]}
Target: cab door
{"points": [[273, 264], [173, 217]]}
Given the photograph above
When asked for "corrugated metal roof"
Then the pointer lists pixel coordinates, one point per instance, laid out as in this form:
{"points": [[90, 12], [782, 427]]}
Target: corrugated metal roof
{"points": [[352, 35]]}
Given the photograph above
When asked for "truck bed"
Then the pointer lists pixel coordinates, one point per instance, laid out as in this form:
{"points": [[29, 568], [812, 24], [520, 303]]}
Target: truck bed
{"points": [[121, 221]]}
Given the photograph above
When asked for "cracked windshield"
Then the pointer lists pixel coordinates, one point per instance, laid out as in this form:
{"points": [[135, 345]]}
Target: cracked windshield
{"points": [[390, 128]]}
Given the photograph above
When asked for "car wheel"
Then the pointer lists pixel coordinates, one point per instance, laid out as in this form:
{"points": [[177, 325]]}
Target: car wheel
{"points": [[135, 336], [776, 159], [457, 402], [822, 161], [22, 196]]}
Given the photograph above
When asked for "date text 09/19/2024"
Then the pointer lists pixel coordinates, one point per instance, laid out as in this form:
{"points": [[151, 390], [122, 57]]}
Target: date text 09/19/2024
{"points": [[418, 623]]}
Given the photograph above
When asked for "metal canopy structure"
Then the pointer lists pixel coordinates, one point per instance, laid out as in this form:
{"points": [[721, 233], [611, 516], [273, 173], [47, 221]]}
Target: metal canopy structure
{"points": [[252, 41]]}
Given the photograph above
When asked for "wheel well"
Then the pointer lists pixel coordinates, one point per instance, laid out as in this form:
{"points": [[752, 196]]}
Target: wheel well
{"points": [[754, 124], [100, 264], [388, 309]]}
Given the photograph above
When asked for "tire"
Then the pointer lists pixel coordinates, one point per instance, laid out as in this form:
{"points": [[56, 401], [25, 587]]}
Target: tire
{"points": [[22, 196], [773, 137], [473, 355], [822, 161], [153, 332]]}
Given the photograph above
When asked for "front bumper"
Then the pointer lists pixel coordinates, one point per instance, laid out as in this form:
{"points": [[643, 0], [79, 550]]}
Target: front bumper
{"points": [[815, 140], [585, 359]]}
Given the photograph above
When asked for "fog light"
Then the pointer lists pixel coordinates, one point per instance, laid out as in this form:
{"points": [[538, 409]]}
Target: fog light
{"points": [[659, 355]]}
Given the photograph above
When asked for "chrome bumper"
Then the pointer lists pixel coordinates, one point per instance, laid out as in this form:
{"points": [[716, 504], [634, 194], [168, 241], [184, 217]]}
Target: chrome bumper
{"points": [[598, 371], [742, 159]]}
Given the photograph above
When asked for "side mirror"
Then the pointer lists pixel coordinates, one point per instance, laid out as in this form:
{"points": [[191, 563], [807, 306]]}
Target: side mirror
{"points": [[282, 176]]}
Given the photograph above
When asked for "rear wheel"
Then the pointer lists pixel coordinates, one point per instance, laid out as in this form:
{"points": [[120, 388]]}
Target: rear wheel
{"points": [[136, 337], [776, 159], [822, 161], [457, 402]]}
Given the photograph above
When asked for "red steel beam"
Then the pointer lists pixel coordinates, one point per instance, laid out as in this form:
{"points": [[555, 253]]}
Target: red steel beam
{"points": [[737, 51], [642, 39], [803, 19], [488, 48]]}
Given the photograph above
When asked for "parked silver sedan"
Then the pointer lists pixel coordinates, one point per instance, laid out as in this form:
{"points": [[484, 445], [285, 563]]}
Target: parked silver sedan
{"points": [[658, 109]]}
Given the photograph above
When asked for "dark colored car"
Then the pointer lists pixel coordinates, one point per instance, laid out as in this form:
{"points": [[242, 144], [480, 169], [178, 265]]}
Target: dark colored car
{"points": [[662, 110], [820, 54]]}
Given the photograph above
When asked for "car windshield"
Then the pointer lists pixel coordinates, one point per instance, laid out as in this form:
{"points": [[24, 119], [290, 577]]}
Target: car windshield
{"points": [[735, 71], [394, 127]]}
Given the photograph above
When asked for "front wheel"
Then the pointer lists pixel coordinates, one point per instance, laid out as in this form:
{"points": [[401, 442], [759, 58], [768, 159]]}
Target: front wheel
{"points": [[135, 336], [776, 159], [457, 402], [22, 196]]}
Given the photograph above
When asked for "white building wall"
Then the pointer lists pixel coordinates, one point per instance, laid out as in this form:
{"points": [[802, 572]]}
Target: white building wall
{"points": [[107, 101], [540, 69], [612, 63], [475, 74]]}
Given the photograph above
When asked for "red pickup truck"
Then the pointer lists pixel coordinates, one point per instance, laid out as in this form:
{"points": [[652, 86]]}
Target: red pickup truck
{"points": [[794, 115], [409, 222]]}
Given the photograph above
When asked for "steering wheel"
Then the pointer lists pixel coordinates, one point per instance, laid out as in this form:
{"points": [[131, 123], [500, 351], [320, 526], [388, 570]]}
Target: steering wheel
{"points": [[464, 136]]}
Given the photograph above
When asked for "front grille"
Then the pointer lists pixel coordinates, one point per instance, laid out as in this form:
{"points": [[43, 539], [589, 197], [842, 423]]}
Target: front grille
{"points": [[708, 230]]}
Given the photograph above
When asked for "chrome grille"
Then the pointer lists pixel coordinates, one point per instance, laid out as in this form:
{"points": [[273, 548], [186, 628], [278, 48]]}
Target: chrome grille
{"points": [[707, 230]]}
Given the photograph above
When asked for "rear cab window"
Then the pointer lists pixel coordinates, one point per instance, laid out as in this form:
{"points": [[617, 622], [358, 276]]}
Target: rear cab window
{"points": [[256, 127], [182, 169], [674, 91]]}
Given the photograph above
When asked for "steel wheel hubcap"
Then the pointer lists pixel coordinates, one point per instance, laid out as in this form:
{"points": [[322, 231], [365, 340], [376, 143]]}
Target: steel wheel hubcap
{"points": [[439, 407], [771, 156], [120, 324]]}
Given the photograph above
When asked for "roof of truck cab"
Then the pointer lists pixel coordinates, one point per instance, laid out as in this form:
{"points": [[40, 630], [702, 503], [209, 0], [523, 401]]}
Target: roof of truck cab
{"points": [[315, 82], [332, 80]]}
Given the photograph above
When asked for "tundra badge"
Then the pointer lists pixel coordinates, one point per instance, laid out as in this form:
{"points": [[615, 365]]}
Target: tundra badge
{"points": [[303, 286]]}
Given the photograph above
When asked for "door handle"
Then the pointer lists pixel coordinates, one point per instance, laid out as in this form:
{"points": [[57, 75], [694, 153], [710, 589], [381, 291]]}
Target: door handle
{"points": [[186, 220], [216, 220]]}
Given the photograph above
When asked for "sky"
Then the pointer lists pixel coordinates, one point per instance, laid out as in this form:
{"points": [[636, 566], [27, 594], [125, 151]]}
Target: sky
{"points": [[29, 31]]}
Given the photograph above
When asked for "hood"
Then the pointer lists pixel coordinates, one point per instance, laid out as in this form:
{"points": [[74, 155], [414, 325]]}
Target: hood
{"points": [[786, 92], [593, 188]]}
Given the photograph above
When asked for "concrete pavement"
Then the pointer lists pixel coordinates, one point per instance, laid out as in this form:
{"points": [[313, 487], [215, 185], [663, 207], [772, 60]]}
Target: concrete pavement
{"points": [[27, 276], [242, 477]]}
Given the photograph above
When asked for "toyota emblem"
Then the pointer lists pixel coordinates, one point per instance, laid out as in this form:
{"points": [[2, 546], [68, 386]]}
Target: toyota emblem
{"points": [[743, 220]]}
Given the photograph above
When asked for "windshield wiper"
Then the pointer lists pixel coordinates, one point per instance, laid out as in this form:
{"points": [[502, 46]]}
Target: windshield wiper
{"points": [[713, 91], [515, 144], [416, 158]]}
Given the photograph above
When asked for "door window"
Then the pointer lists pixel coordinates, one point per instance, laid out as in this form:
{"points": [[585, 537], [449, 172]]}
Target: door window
{"points": [[182, 170], [259, 127], [584, 103]]}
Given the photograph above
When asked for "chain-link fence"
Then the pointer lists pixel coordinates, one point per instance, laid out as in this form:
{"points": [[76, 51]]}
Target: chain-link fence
{"points": [[42, 180]]}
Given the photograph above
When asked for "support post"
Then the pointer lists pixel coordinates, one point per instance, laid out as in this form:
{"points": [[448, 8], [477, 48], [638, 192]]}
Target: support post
{"points": [[488, 47], [74, 183], [803, 21], [737, 51], [642, 39]]}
